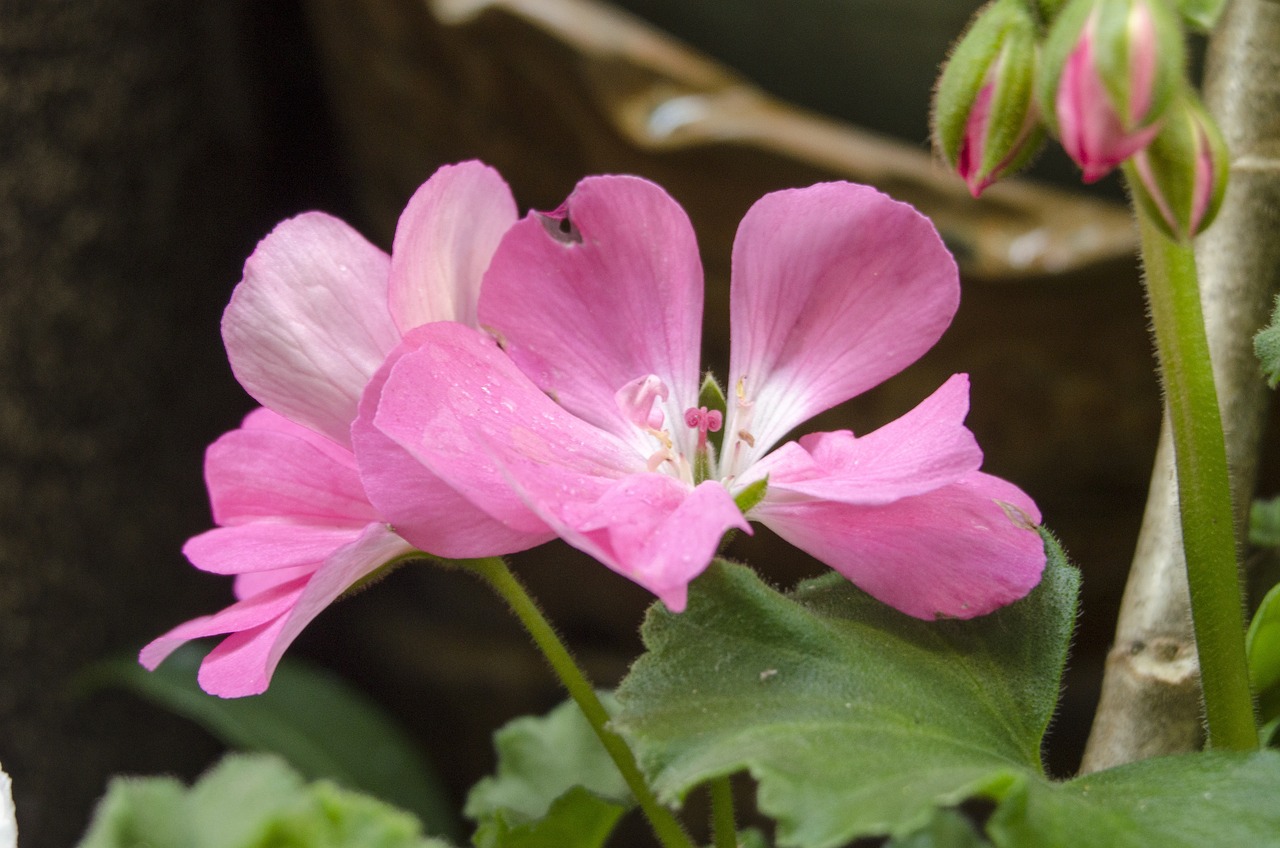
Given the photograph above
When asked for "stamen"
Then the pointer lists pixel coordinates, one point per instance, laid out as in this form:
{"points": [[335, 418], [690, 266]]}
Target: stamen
{"points": [[639, 401]]}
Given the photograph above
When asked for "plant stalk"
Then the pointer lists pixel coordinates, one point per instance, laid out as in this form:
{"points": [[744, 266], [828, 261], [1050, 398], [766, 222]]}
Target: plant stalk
{"points": [[1204, 487], [724, 825], [494, 571]]}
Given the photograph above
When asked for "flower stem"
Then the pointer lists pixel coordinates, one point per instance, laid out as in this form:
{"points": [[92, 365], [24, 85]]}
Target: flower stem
{"points": [[494, 571], [724, 827], [1204, 488]]}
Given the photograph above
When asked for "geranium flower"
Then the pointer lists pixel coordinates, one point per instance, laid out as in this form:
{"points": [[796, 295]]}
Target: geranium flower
{"points": [[582, 404], [317, 312]]}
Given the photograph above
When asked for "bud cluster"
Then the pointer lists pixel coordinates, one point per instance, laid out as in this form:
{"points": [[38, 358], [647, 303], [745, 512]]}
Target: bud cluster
{"points": [[1107, 78]]}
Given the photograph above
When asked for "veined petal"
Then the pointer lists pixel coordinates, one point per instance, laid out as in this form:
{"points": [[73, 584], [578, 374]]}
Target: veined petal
{"points": [[420, 505], [444, 240], [243, 615], [957, 552], [618, 284], [925, 449], [265, 545], [835, 288], [309, 323], [459, 406], [250, 583], [272, 467]]}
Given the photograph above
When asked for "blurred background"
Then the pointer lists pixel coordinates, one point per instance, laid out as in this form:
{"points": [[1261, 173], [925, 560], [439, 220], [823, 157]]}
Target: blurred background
{"points": [[145, 147]]}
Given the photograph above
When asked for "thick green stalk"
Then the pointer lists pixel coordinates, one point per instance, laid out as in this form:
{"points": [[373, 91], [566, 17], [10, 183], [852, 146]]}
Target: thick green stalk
{"points": [[724, 826], [1204, 488], [494, 571]]}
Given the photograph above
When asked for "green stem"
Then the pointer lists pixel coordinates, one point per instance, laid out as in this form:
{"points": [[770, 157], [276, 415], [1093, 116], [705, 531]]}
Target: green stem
{"points": [[1204, 487], [724, 827], [494, 571]]}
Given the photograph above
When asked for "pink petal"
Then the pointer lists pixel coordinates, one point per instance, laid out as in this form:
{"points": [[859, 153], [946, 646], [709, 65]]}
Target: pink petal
{"points": [[309, 323], [649, 528], [957, 552], [421, 506], [618, 285], [836, 287], [243, 615], [445, 238], [275, 468], [264, 626], [459, 406], [925, 449], [265, 545], [250, 583]]}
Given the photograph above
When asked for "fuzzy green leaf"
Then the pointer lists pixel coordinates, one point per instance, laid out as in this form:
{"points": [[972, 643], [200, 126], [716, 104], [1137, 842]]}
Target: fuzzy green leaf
{"points": [[1264, 655], [1266, 344], [248, 801], [321, 725], [854, 718], [555, 786]]}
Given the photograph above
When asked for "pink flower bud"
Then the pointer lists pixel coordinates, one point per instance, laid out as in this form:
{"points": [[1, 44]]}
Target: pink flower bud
{"points": [[1182, 174], [985, 122], [1111, 69]]}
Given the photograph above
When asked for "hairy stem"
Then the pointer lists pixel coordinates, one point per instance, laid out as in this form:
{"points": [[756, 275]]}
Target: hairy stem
{"points": [[724, 825], [1150, 704], [494, 571], [1204, 488]]}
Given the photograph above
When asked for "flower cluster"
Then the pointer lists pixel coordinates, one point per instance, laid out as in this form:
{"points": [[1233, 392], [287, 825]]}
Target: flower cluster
{"points": [[497, 382], [1107, 77]]}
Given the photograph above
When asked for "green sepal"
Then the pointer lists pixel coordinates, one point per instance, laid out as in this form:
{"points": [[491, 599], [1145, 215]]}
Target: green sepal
{"points": [[1201, 14], [749, 497], [1163, 176]]}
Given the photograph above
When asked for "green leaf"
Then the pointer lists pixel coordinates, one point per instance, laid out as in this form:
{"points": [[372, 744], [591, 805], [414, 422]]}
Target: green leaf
{"points": [[1263, 647], [1190, 801], [854, 718], [247, 801], [320, 724], [1201, 14], [1266, 344], [577, 819], [948, 829], [1264, 523], [539, 797], [829, 692]]}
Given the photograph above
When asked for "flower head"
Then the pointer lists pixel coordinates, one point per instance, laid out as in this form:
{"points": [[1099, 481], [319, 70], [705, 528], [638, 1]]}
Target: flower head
{"points": [[316, 314], [985, 121], [1110, 71], [588, 411]]}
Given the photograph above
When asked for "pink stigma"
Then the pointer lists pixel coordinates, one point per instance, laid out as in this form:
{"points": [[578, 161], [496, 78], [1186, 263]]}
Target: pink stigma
{"points": [[704, 421]]}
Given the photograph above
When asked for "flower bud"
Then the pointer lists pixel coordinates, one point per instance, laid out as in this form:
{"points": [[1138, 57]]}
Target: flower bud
{"points": [[1182, 175], [1111, 68], [985, 123]]}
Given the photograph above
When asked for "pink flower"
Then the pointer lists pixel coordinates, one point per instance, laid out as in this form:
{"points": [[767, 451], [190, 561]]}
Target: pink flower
{"points": [[586, 412], [316, 314]]}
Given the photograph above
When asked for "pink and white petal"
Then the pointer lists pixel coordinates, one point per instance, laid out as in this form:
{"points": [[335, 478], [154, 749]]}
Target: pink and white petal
{"points": [[459, 406], [653, 530], [264, 419], [619, 297], [243, 615], [309, 323], [960, 551], [835, 288], [925, 449], [265, 546], [239, 665], [444, 240], [421, 506], [250, 583], [262, 472]]}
